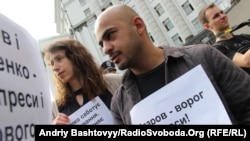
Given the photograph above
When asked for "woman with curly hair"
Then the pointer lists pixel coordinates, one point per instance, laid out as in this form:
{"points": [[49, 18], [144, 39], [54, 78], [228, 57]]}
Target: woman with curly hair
{"points": [[77, 78]]}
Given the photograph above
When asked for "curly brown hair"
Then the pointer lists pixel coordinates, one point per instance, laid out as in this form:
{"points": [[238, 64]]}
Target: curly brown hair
{"points": [[85, 67]]}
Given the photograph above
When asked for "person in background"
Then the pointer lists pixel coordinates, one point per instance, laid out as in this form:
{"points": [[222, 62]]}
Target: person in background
{"points": [[77, 78], [108, 67], [123, 35], [236, 47]]}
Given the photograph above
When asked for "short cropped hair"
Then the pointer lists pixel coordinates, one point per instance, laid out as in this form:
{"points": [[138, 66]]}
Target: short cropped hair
{"points": [[202, 14]]}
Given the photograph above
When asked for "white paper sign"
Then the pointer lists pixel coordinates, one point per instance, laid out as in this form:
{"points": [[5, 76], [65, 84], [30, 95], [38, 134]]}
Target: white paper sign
{"points": [[24, 90], [95, 112], [190, 99]]}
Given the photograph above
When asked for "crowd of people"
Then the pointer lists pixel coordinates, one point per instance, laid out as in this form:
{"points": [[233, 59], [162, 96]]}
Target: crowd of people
{"points": [[123, 36]]}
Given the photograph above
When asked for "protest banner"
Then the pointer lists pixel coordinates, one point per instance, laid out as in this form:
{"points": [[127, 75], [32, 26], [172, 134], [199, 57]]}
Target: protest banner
{"points": [[188, 100], [95, 112], [24, 90]]}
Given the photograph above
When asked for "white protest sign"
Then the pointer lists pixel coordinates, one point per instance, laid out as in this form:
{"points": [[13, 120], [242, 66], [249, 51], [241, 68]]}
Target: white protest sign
{"points": [[95, 112], [190, 99], [24, 91]]}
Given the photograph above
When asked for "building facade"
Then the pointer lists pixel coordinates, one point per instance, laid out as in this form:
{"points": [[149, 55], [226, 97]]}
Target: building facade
{"points": [[169, 22]]}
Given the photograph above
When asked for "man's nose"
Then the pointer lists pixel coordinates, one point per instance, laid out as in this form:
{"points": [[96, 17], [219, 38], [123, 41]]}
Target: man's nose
{"points": [[107, 47]]}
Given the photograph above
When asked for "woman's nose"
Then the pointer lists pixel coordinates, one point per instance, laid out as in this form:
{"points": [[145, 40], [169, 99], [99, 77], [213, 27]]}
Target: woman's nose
{"points": [[55, 67]]}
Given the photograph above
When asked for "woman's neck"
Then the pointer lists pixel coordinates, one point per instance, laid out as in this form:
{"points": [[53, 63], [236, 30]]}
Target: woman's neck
{"points": [[75, 84]]}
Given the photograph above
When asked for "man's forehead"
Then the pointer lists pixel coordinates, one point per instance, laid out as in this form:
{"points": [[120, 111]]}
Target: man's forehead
{"points": [[101, 26], [101, 20], [105, 23], [209, 13], [212, 11]]}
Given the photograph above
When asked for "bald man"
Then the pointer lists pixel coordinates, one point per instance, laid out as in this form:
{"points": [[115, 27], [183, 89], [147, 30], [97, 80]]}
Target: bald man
{"points": [[122, 34]]}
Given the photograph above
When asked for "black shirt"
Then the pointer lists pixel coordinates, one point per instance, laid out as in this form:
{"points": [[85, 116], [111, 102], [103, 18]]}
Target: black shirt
{"points": [[239, 43], [73, 105], [151, 81]]}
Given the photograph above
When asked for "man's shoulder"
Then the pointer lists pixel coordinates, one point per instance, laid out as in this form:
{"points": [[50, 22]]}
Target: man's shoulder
{"points": [[113, 78], [198, 51], [244, 35], [188, 48], [197, 48], [197, 45]]}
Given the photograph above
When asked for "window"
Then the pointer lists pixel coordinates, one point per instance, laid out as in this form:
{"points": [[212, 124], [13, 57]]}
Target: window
{"points": [[91, 24], [221, 5], [159, 10], [87, 12], [151, 37], [218, 1], [168, 24], [82, 2], [187, 7], [197, 24], [177, 40], [206, 40], [125, 1], [105, 1]]}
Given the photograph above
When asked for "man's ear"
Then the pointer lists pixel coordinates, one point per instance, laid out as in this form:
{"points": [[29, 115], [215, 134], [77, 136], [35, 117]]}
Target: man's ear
{"points": [[206, 26], [139, 24]]}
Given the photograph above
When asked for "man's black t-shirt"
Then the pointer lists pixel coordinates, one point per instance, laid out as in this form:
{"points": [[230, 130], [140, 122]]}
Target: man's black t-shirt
{"points": [[239, 43], [151, 81]]}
